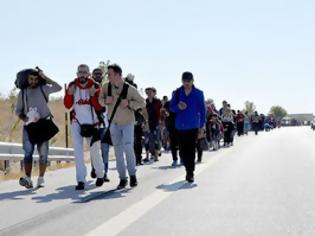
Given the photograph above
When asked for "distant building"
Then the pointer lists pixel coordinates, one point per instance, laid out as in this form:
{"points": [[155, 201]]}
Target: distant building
{"points": [[298, 119]]}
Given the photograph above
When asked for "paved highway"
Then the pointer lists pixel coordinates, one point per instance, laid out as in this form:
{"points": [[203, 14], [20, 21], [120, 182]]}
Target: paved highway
{"points": [[263, 185]]}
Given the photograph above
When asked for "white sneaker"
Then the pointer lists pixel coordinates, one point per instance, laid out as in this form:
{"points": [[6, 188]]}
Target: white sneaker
{"points": [[40, 182]]}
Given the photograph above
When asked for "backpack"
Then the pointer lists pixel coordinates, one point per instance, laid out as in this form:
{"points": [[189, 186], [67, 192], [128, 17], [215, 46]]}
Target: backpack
{"points": [[172, 119], [22, 76]]}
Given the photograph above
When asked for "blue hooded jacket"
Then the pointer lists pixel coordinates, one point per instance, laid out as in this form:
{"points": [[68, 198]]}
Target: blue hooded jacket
{"points": [[194, 116]]}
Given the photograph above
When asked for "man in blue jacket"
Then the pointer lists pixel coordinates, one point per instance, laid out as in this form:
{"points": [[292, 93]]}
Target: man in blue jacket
{"points": [[189, 105]]}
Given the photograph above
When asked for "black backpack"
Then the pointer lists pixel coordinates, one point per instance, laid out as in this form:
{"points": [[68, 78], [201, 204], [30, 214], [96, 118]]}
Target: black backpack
{"points": [[22, 76]]}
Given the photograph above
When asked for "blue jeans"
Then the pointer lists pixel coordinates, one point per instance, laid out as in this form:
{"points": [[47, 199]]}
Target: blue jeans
{"points": [[123, 141], [104, 149], [28, 148]]}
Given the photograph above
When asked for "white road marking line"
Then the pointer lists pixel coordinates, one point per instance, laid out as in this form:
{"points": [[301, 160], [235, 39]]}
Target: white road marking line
{"points": [[124, 219]]}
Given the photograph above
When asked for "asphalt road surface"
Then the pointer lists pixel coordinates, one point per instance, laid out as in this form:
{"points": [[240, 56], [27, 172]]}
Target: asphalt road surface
{"points": [[263, 185]]}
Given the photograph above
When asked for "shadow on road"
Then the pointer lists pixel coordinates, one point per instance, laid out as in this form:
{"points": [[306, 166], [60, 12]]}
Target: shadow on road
{"points": [[16, 195], [101, 195], [181, 185], [69, 192]]}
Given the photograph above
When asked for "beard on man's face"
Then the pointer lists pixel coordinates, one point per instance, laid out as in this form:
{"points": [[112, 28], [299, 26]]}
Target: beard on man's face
{"points": [[98, 79], [34, 84], [83, 79]]}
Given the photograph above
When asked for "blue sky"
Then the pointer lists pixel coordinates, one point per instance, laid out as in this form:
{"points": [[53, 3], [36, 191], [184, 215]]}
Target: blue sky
{"points": [[261, 51]]}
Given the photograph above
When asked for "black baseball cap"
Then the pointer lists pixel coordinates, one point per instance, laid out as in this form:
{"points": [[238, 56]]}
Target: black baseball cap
{"points": [[187, 76]]}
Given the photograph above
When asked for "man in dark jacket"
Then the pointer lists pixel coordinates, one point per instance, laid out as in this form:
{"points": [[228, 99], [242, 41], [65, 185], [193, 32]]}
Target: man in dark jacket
{"points": [[153, 106]]}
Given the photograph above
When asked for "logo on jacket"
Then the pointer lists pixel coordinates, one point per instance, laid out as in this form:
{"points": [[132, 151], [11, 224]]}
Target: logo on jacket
{"points": [[83, 102]]}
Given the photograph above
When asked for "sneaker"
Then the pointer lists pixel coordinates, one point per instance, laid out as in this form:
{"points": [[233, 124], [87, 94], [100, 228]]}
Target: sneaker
{"points": [[26, 182], [122, 184], [133, 181], [93, 174], [174, 163], [99, 182], [40, 182], [80, 186], [190, 178], [106, 179]]}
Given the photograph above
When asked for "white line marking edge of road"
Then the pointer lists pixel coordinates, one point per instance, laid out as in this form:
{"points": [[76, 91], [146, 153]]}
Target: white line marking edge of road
{"points": [[125, 218]]}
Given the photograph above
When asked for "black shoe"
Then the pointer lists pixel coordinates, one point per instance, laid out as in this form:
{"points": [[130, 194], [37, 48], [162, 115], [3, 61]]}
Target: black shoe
{"points": [[122, 184], [133, 181], [190, 178], [99, 182], [80, 186], [146, 160], [93, 174], [156, 159], [106, 179], [199, 161]]}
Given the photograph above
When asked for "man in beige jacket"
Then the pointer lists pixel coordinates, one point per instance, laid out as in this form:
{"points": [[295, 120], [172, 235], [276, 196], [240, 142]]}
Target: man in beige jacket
{"points": [[122, 126]]}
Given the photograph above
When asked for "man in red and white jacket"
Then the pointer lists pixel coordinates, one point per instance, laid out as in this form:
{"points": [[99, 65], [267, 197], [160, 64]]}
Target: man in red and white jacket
{"points": [[82, 98]]}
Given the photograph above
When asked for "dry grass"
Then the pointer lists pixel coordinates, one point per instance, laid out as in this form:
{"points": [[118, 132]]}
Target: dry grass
{"points": [[11, 131], [11, 127]]}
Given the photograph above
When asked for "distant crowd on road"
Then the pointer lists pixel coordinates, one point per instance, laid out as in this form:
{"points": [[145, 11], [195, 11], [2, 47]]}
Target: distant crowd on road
{"points": [[112, 112]]}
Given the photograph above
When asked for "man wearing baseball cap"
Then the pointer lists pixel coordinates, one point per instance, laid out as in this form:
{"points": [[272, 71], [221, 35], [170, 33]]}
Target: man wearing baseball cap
{"points": [[189, 105]]}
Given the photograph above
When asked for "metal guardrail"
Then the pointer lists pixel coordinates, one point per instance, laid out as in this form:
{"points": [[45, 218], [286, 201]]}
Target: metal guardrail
{"points": [[14, 152], [20, 157], [16, 148]]}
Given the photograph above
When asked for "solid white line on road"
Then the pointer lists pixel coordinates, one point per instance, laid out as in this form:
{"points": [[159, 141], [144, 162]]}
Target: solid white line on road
{"points": [[124, 219]]}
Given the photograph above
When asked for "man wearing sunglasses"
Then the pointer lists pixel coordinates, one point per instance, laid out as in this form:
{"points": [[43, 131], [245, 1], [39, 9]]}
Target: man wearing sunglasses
{"points": [[82, 98]]}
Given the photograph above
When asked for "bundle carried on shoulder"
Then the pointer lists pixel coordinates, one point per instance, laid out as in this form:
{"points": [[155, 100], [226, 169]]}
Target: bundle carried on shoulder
{"points": [[21, 81]]}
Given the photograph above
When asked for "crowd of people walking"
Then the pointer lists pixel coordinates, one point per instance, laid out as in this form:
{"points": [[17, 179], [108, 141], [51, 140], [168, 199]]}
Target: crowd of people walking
{"points": [[112, 112]]}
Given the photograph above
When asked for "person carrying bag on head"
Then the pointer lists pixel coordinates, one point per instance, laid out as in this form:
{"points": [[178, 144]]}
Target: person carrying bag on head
{"points": [[32, 109]]}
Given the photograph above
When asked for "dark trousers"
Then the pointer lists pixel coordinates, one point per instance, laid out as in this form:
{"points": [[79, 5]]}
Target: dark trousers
{"points": [[173, 143], [199, 152], [138, 144], [228, 132], [256, 127], [240, 128], [187, 148]]}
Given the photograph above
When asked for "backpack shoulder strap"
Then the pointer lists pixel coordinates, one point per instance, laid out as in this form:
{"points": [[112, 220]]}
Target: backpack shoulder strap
{"points": [[44, 95], [109, 90], [177, 91], [124, 91], [23, 98]]}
